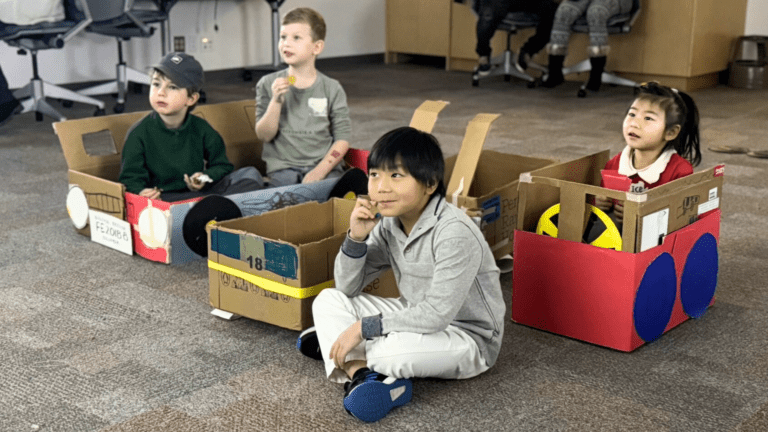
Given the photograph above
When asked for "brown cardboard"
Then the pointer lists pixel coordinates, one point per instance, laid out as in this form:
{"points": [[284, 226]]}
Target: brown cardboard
{"points": [[97, 176], [425, 116], [245, 259], [492, 195], [469, 154], [572, 183]]}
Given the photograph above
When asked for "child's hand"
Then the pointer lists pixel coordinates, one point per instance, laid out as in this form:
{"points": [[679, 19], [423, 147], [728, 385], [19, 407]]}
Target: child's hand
{"points": [[364, 217], [151, 193], [194, 182], [347, 341], [279, 89], [618, 211], [603, 203], [312, 176]]}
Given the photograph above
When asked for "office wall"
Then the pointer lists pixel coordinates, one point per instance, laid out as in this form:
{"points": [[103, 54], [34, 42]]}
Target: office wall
{"points": [[243, 39], [757, 18], [355, 27]]}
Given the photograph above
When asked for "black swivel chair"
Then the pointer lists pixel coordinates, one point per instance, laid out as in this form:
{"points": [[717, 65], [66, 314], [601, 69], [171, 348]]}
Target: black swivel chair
{"points": [[43, 36], [504, 63], [119, 19], [617, 24]]}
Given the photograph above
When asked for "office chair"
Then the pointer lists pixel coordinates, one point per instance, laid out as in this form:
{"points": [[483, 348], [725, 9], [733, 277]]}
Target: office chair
{"points": [[617, 24], [42, 36], [119, 19], [274, 5], [503, 64]]}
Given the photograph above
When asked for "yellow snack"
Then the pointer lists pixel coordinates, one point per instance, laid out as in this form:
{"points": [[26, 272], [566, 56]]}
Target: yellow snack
{"points": [[291, 80]]}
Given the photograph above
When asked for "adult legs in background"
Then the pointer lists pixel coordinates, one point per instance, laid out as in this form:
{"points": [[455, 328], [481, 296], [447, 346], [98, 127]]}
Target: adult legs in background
{"points": [[598, 13], [567, 13], [492, 12]]}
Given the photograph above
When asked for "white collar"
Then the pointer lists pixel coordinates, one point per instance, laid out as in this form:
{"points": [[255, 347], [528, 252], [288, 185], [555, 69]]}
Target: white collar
{"points": [[649, 174]]}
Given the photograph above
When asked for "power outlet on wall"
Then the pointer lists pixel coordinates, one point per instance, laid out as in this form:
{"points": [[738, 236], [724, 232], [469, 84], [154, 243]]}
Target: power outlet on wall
{"points": [[206, 43], [178, 43]]}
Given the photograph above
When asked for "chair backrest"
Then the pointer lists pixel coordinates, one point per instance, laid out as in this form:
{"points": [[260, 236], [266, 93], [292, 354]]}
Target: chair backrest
{"points": [[103, 10], [50, 35]]}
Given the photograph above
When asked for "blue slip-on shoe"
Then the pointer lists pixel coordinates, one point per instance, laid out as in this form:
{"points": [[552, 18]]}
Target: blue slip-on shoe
{"points": [[371, 395], [308, 344]]}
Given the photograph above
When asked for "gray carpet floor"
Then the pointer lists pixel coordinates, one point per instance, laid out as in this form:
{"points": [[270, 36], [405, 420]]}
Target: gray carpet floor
{"points": [[94, 340]]}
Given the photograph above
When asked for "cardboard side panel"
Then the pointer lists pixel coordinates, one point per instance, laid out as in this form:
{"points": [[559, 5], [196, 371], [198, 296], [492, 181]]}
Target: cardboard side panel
{"points": [[70, 133], [575, 290], [251, 301], [236, 123], [101, 195], [698, 291], [466, 161], [426, 115]]}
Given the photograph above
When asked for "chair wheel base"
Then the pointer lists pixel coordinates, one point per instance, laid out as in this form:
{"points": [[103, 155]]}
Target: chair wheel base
{"points": [[119, 108], [99, 112], [38, 116], [581, 93]]}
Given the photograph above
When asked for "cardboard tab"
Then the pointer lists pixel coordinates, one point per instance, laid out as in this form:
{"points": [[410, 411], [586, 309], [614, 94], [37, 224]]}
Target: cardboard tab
{"points": [[425, 116], [469, 154]]}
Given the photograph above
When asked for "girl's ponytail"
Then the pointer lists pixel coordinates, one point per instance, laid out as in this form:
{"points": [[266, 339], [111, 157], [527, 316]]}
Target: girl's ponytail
{"points": [[688, 143]]}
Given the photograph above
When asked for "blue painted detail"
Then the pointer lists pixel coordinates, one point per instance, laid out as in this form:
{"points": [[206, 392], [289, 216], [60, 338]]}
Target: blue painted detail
{"points": [[655, 298], [225, 243], [281, 259], [699, 280], [494, 203]]}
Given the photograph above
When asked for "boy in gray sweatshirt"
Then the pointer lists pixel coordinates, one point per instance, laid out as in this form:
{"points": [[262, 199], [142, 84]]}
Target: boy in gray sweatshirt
{"points": [[448, 322]]}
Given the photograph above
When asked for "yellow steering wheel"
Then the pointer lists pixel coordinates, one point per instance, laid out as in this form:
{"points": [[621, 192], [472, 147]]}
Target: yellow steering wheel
{"points": [[610, 238]]}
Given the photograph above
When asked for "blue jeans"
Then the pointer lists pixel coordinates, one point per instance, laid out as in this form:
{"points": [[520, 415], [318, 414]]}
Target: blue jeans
{"points": [[289, 176]]}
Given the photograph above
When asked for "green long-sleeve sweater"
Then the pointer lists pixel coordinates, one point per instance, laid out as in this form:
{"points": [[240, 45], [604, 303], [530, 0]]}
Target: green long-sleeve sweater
{"points": [[155, 156]]}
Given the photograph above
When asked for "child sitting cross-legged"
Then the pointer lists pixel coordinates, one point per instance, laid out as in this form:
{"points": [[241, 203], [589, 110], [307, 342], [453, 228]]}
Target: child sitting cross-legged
{"points": [[448, 322]]}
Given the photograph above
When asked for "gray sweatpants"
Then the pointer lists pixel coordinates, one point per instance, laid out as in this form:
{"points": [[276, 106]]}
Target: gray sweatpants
{"points": [[597, 11]]}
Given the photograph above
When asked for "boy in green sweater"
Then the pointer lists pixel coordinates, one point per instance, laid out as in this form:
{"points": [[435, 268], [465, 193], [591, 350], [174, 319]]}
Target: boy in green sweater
{"points": [[173, 155]]}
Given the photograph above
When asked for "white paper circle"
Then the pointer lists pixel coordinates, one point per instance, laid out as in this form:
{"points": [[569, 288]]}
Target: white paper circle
{"points": [[77, 207], [153, 227]]}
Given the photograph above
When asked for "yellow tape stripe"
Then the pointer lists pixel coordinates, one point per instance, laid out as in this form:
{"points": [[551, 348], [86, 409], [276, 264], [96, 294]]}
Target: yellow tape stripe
{"points": [[270, 285]]}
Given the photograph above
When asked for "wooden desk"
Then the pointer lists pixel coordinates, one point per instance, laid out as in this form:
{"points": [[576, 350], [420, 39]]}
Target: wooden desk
{"points": [[681, 43]]}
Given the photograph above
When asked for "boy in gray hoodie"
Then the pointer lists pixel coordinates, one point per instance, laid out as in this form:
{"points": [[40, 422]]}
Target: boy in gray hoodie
{"points": [[448, 322]]}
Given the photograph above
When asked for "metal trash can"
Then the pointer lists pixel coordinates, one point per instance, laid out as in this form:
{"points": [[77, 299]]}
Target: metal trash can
{"points": [[749, 63]]}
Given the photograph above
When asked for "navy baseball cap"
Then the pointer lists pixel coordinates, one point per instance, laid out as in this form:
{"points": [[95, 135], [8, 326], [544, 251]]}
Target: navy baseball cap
{"points": [[182, 69]]}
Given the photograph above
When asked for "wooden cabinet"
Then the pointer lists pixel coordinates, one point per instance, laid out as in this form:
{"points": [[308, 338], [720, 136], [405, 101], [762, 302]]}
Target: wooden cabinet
{"points": [[681, 43], [418, 27]]}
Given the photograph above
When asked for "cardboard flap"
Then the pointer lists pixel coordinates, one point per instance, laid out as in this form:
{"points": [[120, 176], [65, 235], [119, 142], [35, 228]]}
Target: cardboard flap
{"points": [[694, 179], [70, 133], [236, 123], [425, 116], [469, 154]]}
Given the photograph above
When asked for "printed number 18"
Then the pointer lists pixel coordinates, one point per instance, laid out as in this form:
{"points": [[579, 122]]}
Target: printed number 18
{"points": [[254, 262]]}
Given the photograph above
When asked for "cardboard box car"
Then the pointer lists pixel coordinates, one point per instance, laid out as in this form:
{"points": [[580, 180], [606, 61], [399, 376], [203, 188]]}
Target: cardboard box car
{"points": [[269, 267], [154, 227], [664, 271], [93, 148], [484, 182]]}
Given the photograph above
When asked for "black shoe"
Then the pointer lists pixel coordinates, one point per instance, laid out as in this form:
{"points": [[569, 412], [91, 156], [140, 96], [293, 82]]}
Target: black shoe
{"points": [[370, 395], [308, 345], [8, 110], [521, 61], [483, 67], [597, 66], [554, 71]]}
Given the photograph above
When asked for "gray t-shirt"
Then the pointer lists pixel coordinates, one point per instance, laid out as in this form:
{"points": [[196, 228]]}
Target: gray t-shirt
{"points": [[311, 120]]}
